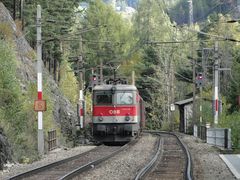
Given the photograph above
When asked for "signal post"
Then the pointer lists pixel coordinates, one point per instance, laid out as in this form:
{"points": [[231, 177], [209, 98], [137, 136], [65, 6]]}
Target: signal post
{"points": [[39, 104]]}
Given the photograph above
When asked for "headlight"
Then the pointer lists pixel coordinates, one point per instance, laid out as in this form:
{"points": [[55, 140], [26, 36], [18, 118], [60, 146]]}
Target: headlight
{"points": [[127, 118]]}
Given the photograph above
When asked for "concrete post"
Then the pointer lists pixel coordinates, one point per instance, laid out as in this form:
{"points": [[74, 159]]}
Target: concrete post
{"points": [[215, 90], [39, 80], [133, 77]]}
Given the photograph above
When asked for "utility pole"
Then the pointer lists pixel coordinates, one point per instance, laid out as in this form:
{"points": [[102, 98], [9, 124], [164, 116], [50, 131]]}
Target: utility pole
{"points": [[193, 64], [168, 88], [215, 88], [200, 107], [133, 77], [190, 12], [194, 89], [80, 71], [39, 80], [201, 88], [101, 72], [80, 64]]}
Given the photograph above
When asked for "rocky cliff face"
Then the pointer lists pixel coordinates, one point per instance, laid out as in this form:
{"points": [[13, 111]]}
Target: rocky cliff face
{"points": [[64, 114], [5, 150]]}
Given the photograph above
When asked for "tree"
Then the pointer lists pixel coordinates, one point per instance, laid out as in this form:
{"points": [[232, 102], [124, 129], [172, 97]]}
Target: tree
{"points": [[202, 9], [152, 24], [234, 88], [57, 18], [105, 36], [12, 6]]}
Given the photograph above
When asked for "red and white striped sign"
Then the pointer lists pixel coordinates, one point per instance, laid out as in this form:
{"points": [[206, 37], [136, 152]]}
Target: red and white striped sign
{"points": [[40, 86]]}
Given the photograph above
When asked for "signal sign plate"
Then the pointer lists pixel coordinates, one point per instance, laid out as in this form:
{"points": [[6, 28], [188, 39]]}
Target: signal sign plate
{"points": [[40, 105]]}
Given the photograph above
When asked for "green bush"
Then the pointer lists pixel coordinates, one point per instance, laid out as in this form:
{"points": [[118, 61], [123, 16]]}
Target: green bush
{"points": [[17, 117], [68, 82], [232, 121], [13, 119]]}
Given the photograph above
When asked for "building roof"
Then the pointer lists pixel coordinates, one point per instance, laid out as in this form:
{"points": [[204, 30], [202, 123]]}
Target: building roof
{"points": [[116, 87], [185, 101]]}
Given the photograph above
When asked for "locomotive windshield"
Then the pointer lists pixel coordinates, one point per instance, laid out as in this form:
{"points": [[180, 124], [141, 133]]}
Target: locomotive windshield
{"points": [[104, 99], [118, 98], [124, 98]]}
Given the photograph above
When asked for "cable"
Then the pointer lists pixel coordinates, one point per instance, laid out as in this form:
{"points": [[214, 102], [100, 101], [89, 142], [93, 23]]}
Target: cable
{"points": [[233, 79], [189, 80], [205, 26], [204, 16]]}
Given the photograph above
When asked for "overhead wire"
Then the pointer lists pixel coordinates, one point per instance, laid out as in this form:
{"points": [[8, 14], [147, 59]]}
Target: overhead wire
{"points": [[209, 11], [186, 41], [205, 26]]}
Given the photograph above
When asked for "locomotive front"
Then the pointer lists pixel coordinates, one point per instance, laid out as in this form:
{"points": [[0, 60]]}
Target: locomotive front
{"points": [[116, 113]]}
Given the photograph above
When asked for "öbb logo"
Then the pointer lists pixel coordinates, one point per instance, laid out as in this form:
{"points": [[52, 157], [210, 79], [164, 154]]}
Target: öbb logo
{"points": [[114, 112]]}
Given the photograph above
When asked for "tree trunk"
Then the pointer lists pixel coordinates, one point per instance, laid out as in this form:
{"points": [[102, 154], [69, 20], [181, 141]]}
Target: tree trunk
{"points": [[55, 69], [21, 5], [14, 9], [59, 72], [49, 65]]}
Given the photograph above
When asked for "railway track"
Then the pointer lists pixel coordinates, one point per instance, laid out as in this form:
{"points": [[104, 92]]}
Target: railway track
{"points": [[171, 161], [71, 167]]}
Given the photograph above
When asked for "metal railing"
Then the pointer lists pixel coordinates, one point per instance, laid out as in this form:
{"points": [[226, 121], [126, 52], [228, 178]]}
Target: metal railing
{"points": [[220, 137], [52, 140]]}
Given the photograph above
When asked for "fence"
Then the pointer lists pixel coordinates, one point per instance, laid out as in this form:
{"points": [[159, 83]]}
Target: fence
{"points": [[201, 132], [220, 137], [52, 140]]}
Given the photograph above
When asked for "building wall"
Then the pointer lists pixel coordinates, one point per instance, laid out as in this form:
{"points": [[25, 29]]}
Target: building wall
{"points": [[188, 118]]}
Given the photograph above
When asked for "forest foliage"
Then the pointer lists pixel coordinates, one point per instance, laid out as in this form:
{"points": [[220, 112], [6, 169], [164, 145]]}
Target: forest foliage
{"points": [[201, 10]]}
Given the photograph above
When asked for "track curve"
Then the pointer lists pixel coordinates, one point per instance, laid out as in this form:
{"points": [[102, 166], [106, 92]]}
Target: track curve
{"points": [[172, 159], [67, 168]]}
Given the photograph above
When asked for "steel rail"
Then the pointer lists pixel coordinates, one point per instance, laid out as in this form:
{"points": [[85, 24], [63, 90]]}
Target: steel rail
{"points": [[92, 164], [43, 168], [151, 163], [188, 172]]}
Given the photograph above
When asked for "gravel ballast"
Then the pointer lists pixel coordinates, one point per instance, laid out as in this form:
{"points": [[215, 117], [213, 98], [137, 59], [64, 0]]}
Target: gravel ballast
{"points": [[124, 165], [53, 156], [207, 163]]}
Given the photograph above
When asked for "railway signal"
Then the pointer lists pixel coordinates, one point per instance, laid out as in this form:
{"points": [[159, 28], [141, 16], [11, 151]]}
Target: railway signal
{"points": [[94, 80], [200, 80], [81, 109]]}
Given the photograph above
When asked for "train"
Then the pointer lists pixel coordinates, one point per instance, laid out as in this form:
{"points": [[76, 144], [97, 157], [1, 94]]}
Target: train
{"points": [[118, 113]]}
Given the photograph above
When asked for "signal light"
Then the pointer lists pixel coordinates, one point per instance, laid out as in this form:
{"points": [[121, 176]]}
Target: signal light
{"points": [[199, 79], [200, 76], [94, 78]]}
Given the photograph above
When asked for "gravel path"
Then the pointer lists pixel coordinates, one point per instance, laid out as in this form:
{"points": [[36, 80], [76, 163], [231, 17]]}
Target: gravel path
{"points": [[207, 163], [124, 165], [53, 156]]}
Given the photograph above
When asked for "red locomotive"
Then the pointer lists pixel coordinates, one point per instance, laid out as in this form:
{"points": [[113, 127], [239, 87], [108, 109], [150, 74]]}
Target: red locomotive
{"points": [[118, 113]]}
